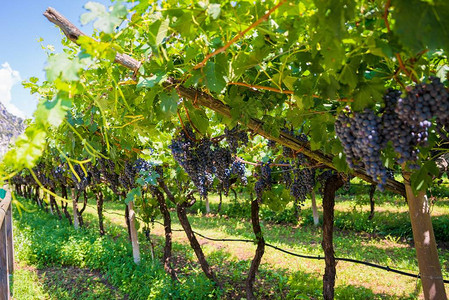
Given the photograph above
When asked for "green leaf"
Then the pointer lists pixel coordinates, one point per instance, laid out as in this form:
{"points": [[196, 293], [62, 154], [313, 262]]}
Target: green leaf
{"points": [[317, 132], [339, 162], [97, 49], [61, 65], [133, 194], [53, 112], [162, 32], [422, 24], [367, 93], [198, 118], [348, 73], [106, 22], [215, 77], [169, 103], [151, 81], [96, 10], [147, 177]]}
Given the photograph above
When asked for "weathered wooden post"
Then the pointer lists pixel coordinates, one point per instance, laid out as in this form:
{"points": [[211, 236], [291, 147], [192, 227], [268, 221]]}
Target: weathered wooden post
{"points": [[6, 251]]}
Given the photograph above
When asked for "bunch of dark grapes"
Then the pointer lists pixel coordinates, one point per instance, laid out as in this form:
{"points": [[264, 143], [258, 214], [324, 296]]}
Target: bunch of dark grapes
{"points": [[222, 162], [128, 177], [107, 169], [238, 168], [59, 174], [235, 137], [303, 182], [208, 156], [194, 158], [39, 171], [323, 177], [423, 103], [396, 131], [142, 166], [345, 130], [202, 159], [271, 144], [264, 180], [361, 136], [286, 169], [94, 173]]}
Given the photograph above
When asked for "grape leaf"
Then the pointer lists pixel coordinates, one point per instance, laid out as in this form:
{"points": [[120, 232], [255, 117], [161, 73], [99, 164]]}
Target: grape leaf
{"points": [[367, 93], [348, 73], [198, 118], [215, 77], [422, 24], [133, 194], [162, 32], [169, 103], [106, 22], [64, 66], [53, 112]]}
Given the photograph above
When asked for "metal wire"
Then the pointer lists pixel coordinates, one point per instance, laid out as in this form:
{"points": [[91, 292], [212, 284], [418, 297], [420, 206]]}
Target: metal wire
{"points": [[366, 263]]}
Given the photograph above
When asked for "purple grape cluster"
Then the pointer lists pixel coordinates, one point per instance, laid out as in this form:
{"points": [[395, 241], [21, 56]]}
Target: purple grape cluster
{"points": [[222, 162], [238, 168], [405, 122], [264, 181], [395, 130], [202, 160], [361, 136], [286, 170], [323, 177], [107, 170], [59, 174], [94, 173], [194, 158], [424, 102], [303, 182], [235, 137]]}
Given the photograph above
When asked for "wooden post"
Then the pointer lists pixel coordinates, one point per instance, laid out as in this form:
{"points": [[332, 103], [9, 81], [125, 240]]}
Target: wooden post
{"points": [[316, 217], [207, 206], [425, 244], [134, 239], [4, 277], [76, 220], [9, 240], [5, 261]]}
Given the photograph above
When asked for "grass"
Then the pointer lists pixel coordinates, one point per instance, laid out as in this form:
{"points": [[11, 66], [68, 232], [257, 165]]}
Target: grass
{"points": [[27, 284], [384, 240]]}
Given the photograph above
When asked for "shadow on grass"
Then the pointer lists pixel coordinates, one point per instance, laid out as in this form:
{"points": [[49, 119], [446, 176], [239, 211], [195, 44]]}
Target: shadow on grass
{"points": [[384, 223], [307, 240], [74, 283]]}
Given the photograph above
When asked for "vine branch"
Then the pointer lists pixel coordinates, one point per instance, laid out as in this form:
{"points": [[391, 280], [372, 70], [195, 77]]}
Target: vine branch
{"points": [[259, 87], [398, 55]]}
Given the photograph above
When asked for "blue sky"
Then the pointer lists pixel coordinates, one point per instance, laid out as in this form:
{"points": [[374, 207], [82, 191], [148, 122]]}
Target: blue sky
{"points": [[21, 56]]}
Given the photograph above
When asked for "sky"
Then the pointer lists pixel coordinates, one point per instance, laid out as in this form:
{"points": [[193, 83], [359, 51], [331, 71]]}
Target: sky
{"points": [[21, 56]]}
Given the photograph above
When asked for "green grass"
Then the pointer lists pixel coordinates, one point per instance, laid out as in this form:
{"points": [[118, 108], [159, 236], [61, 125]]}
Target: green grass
{"points": [[27, 285], [383, 240], [42, 241]]}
